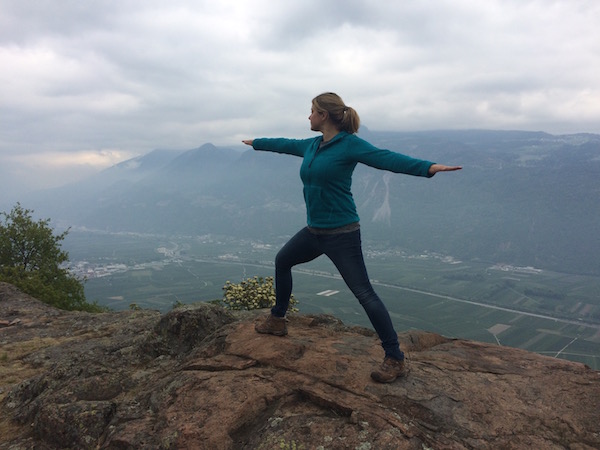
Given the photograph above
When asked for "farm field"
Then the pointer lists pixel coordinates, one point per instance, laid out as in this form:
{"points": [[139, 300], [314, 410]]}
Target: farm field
{"points": [[557, 315]]}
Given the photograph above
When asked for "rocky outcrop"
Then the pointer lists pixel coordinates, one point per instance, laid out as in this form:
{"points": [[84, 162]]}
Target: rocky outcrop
{"points": [[199, 377]]}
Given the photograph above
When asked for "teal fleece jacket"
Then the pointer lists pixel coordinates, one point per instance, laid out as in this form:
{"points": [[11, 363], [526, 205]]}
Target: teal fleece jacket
{"points": [[327, 169]]}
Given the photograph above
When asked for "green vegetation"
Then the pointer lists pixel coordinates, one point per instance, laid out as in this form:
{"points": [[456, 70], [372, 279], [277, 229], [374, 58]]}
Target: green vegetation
{"points": [[31, 258]]}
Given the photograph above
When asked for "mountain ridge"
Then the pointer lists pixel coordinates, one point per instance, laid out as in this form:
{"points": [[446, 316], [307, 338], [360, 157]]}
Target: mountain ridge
{"points": [[523, 198]]}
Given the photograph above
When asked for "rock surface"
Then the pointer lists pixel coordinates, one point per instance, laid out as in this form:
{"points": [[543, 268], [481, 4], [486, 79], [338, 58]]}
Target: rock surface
{"points": [[199, 377]]}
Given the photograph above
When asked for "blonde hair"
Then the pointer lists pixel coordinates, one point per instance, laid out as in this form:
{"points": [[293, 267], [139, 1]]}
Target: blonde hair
{"points": [[344, 117]]}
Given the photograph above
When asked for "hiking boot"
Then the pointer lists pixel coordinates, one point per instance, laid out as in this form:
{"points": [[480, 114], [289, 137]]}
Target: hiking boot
{"points": [[389, 370], [272, 325]]}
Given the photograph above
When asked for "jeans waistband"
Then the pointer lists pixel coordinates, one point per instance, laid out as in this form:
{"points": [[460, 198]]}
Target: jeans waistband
{"points": [[345, 229]]}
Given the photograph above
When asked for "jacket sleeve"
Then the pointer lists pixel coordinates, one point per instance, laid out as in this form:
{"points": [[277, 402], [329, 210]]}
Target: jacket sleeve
{"points": [[296, 147], [383, 159]]}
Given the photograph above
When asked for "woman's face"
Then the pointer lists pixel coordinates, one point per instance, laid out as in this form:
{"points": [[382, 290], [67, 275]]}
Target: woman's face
{"points": [[317, 119]]}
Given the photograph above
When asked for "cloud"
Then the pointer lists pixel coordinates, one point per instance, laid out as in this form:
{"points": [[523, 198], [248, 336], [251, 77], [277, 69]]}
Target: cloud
{"points": [[59, 160], [134, 76], [49, 169]]}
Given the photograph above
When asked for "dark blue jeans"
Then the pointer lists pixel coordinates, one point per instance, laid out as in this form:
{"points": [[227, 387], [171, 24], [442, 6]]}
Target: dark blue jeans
{"points": [[345, 251]]}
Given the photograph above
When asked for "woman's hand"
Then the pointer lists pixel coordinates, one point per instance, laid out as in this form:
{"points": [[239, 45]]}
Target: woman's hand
{"points": [[435, 168], [248, 141]]}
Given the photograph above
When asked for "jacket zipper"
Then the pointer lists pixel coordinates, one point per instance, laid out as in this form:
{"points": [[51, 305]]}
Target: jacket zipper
{"points": [[315, 155]]}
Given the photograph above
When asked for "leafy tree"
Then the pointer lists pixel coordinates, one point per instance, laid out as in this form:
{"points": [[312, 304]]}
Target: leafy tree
{"points": [[32, 260]]}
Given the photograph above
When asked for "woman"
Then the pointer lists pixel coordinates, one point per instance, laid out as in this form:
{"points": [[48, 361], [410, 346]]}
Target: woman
{"points": [[333, 223]]}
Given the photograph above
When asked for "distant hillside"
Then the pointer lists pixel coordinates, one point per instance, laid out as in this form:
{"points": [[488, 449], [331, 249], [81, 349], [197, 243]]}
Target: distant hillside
{"points": [[523, 198]]}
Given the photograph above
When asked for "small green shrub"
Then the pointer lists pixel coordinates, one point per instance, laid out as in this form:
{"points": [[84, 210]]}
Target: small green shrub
{"points": [[177, 304], [252, 293], [31, 258]]}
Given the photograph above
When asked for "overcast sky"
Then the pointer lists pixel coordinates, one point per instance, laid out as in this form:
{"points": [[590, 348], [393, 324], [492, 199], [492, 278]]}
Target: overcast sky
{"points": [[86, 84]]}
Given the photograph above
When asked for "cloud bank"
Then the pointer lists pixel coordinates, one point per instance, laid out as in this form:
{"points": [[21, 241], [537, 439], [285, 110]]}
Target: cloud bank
{"points": [[86, 83]]}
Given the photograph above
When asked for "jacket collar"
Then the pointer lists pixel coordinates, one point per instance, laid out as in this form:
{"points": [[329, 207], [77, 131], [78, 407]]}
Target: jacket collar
{"points": [[337, 137]]}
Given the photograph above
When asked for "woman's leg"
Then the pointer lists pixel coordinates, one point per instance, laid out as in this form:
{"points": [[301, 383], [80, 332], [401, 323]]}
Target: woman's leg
{"points": [[301, 248], [345, 251]]}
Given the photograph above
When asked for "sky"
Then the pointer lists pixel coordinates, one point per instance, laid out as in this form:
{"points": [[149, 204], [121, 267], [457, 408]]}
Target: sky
{"points": [[87, 84]]}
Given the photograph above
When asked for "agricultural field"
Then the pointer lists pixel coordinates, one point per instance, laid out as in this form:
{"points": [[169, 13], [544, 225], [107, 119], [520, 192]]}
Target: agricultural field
{"points": [[557, 315]]}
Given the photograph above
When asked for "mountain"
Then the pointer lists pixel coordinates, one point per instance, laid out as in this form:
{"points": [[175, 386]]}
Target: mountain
{"points": [[65, 204], [200, 377], [523, 198]]}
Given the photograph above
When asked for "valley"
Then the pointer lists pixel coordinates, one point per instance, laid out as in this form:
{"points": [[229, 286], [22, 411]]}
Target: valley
{"points": [[546, 312]]}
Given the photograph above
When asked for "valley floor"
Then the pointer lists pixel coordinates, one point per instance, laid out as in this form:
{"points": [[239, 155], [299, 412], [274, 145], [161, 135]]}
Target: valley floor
{"points": [[554, 314]]}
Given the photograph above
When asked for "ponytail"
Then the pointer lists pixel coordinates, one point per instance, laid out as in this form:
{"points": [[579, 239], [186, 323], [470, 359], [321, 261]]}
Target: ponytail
{"points": [[345, 117]]}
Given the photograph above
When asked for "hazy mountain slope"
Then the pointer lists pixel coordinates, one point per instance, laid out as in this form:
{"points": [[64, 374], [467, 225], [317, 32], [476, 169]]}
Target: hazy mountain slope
{"points": [[67, 205], [523, 198]]}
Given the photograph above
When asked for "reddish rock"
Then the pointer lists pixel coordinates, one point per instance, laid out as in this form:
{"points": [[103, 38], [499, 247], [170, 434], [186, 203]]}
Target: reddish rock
{"points": [[199, 377]]}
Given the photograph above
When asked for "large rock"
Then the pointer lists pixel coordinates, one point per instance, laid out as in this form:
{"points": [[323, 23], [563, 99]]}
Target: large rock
{"points": [[199, 377]]}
